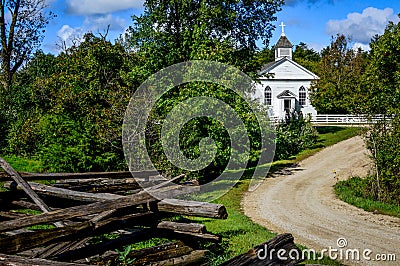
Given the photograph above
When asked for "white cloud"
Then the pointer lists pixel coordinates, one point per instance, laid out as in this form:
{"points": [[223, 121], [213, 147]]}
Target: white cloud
{"points": [[68, 35], [96, 24], [364, 47], [100, 23], [362, 27], [316, 46], [90, 7]]}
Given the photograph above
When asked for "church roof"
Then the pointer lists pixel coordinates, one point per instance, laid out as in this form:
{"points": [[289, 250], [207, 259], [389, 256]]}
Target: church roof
{"points": [[286, 94], [269, 67], [283, 42]]}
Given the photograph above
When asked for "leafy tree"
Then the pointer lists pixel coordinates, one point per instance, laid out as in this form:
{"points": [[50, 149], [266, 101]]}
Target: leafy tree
{"points": [[307, 57], [170, 32], [78, 104], [340, 71], [175, 31], [380, 88], [40, 67], [265, 56], [22, 24]]}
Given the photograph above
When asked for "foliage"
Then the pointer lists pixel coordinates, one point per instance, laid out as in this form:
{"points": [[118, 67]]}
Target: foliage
{"points": [[383, 142], [307, 57], [74, 108], [293, 135], [380, 88], [22, 27], [195, 130], [70, 107], [170, 32], [340, 71], [123, 256]]}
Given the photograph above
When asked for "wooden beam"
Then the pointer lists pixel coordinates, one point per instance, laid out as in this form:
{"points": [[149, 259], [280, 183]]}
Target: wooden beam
{"points": [[186, 227], [193, 208], [196, 257], [58, 176], [69, 194], [21, 261], [77, 211], [149, 256], [95, 249], [267, 253], [28, 240]]}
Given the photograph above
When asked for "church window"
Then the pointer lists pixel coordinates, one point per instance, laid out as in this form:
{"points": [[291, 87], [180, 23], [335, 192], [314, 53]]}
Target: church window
{"points": [[268, 96], [302, 96]]}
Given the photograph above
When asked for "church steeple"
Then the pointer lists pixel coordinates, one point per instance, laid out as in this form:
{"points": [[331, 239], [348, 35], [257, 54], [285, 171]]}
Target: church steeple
{"points": [[283, 47]]}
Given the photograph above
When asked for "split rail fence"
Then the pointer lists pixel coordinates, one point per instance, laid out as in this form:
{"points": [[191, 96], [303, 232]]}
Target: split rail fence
{"points": [[65, 223]]}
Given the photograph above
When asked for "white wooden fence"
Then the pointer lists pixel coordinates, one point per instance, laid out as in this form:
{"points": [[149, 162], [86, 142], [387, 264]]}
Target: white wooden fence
{"points": [[346, 119], [329, 119]]}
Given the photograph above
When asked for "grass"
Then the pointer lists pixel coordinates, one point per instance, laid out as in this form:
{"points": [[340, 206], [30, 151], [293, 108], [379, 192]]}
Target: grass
{"points": [[24, 165], [355, 192], [240, 233]]}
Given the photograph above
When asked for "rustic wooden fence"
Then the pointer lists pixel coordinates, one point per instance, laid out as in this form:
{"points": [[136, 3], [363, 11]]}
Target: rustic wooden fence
{"points": [[61, 224]]}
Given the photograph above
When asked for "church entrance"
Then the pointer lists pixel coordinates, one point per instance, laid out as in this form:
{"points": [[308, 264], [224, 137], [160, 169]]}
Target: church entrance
{"points": [[287, 105]]}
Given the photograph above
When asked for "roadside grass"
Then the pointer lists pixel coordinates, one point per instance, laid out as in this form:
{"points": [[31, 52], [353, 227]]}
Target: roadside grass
{"points": [[354, 191]]}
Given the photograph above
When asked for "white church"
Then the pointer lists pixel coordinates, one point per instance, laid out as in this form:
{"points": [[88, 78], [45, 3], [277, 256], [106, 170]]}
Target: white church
{"points": [[284, 84]]}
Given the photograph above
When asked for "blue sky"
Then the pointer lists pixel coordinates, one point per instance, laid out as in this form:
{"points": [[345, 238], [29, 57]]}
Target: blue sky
{"points": [[310, 21]]}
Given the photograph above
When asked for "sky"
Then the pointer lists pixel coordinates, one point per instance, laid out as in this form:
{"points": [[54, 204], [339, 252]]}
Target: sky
{"points": [[313, 22]]}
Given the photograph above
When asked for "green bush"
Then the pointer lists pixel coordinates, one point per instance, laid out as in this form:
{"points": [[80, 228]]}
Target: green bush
{"points": [[202, 127], [293, 135]]}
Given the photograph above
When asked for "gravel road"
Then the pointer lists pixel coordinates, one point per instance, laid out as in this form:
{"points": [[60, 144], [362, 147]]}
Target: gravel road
{"points": [[300, 200]]}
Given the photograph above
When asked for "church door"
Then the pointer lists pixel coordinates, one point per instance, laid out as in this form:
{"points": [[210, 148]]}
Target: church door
{"points": [[287, 105]]}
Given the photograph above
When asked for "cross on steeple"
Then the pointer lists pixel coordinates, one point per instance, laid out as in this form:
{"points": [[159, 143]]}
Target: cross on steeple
{"points": [[283, 28]]}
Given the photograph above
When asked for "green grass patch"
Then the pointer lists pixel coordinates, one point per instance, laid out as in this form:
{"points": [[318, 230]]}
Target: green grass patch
{"points": [[355, 192], [41, 227], [28, 211], [329, 136], [23, 164]]}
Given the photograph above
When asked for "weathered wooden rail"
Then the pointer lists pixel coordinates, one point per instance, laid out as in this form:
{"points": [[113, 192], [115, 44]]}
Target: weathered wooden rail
{"points": [[60, 224]]}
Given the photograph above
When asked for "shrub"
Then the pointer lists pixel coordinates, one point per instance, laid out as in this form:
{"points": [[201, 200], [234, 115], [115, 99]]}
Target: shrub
{"points": [[293, 135]]}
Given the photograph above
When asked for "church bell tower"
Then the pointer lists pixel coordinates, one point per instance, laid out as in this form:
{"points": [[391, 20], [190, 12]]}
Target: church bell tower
{"points": [[283, 47]]}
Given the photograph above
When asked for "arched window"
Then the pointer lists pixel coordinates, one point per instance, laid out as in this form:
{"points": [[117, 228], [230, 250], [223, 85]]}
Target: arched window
{"points": [[302, 96], [268, 96]]}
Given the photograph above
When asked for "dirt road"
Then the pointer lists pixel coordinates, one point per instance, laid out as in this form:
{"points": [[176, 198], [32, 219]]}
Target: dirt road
{"points": [[300, 201]]}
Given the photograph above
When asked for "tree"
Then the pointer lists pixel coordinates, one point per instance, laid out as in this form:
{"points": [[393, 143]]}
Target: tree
{"points": [[22, 24], [307, 57], [175, 31], [380, 90], [340, 71], [76, 106]]}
